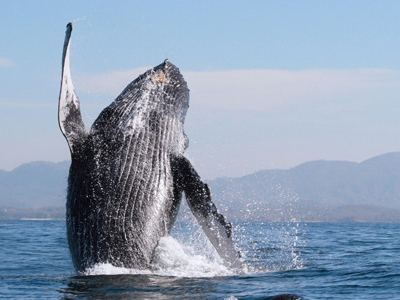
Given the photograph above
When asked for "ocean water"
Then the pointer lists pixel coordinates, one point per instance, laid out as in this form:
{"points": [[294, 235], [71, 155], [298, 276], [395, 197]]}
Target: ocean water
{"points": [[314, 261]]}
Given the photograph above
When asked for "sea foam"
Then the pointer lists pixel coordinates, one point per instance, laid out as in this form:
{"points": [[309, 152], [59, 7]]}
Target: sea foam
{"points": [[171, 258]]}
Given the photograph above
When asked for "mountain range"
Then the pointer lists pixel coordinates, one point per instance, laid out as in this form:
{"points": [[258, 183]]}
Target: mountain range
{"points": [[317, 191], [313, 191]]}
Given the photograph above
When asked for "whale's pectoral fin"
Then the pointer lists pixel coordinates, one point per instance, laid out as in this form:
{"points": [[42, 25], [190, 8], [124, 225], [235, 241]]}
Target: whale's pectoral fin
{"points": [[214, 225], [69, 113]]}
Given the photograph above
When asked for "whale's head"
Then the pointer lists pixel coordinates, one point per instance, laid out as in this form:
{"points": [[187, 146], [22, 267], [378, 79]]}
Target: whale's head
{"points": [[156, 102], [166, 87]]}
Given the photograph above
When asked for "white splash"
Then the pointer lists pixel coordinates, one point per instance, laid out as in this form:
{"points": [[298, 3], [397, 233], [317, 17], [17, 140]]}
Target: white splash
{"points": [[109, 269], [170, 259]]}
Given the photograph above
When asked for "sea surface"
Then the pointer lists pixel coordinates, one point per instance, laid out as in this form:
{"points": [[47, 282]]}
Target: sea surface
{"points": [[311, 260]]}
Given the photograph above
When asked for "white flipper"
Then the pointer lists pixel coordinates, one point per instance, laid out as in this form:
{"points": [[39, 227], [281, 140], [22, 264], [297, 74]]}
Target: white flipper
{"points": [[69, 114], [219, 237], [217, 230]]}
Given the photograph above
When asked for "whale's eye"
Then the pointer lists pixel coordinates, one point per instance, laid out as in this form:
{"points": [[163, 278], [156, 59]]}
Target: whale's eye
{"points": [[159, 77]]}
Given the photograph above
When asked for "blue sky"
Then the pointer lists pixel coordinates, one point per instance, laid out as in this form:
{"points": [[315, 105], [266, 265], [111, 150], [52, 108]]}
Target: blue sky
{"points": [[273, 83]]}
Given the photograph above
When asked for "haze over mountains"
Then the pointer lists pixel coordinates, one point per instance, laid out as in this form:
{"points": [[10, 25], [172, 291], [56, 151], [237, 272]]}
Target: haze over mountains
{"points": [[318, 191], [313, 191]]}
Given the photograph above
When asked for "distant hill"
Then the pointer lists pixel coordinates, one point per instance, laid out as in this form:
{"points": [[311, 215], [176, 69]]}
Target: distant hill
{"points": [[51, 212], [34, 185], [313, 191], [317, 191]]}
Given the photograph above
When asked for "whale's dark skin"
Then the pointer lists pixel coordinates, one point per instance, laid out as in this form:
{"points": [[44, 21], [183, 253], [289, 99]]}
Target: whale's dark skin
{"points": [[129, 171]]}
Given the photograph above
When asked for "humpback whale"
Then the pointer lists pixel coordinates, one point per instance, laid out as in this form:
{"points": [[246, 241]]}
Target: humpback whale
{"points": [[128, 173]]}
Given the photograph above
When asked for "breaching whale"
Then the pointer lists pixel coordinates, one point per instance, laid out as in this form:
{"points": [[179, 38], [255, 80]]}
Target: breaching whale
{"points": [[128, 173]]}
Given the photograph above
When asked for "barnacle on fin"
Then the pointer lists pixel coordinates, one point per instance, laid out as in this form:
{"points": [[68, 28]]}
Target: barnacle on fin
{"points": [[159, 77]]}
